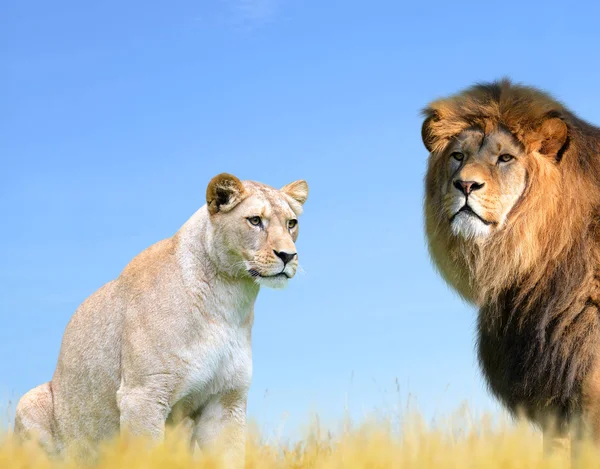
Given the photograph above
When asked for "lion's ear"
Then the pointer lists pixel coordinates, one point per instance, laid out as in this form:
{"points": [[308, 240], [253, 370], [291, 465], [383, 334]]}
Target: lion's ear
{"points": [[552, 136], [224, 192], [297, 190], [427, 135]]}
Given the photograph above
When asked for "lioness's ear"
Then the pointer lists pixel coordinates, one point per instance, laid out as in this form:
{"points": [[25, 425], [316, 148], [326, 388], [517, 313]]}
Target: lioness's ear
{"points": [[552, 136], [297, 190], [426, 132], [223, 193]]}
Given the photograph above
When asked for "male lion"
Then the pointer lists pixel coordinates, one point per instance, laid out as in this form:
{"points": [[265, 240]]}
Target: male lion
{"points": [[512, 212], [169, 340]]}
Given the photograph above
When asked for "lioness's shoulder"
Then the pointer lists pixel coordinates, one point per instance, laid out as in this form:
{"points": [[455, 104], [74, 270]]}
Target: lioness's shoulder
{"points": [[144, 269]]}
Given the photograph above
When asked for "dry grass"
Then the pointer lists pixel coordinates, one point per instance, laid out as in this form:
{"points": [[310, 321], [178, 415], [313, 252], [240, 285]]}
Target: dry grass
{"points": [[457, 443]]}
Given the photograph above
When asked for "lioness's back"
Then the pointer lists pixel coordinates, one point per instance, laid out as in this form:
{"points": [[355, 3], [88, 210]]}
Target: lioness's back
{"points": [[90, 355], [89, 364]]}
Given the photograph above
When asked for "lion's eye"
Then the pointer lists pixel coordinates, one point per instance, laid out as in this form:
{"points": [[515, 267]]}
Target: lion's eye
{"points": [[457, 155], [292, 223], [505, 158], [255, 221]]}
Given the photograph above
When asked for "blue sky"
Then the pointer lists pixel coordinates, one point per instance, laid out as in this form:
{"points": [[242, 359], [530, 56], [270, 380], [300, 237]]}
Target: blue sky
{"points": [[115, 115]]}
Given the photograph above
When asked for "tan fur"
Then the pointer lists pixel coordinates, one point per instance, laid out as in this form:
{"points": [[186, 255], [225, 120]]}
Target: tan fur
{"points": [[169, 340], [534, 271]]}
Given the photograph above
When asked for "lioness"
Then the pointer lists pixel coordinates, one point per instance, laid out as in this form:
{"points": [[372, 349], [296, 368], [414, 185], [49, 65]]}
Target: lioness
{"points": [[513, 224], [170, 338]]}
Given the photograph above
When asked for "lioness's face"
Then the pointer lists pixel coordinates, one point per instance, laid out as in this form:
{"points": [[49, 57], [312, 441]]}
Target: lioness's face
{"points": [[483, 178], [257, 226], [265, 229]]}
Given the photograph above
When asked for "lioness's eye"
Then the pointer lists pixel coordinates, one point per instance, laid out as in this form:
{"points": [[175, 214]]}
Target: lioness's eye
{"points": [[255, 221], [292, 223], [505, 158], [458, 156]]}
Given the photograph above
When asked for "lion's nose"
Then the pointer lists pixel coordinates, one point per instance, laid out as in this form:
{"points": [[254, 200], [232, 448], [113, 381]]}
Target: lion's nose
{"points": [[285, 256], [466, 187]]}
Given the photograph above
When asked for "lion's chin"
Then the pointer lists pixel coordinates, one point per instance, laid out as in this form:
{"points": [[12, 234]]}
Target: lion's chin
{"points": [[275, 281], [469, 226]]}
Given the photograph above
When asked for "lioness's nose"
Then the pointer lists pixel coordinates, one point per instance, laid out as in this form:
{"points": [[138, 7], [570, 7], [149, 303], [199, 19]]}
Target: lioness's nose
{"points": [[285, 256], [466, 187]]}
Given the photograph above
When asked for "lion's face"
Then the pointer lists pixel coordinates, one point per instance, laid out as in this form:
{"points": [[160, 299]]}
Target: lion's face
{"points": [[256, 227], [495, 186], [482, 178]]}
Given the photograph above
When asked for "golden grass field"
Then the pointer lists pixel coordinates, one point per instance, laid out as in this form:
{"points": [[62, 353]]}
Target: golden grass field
{"points": [[459, 443]]}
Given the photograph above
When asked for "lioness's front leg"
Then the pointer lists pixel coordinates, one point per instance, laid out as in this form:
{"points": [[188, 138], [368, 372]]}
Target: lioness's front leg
{"points": [[144, 405], [222, 425]]}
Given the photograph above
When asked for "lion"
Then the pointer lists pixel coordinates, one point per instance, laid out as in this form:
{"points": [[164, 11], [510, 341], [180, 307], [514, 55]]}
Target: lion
{"points": [[512, 215], [169, 341]]}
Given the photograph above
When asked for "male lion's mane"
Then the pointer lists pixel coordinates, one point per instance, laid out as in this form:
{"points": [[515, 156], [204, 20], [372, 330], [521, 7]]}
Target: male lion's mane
{"points": [[536, 280]]}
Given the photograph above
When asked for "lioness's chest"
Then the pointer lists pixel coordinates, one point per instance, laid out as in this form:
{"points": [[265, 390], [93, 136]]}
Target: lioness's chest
{"points": [[221, 362]]}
